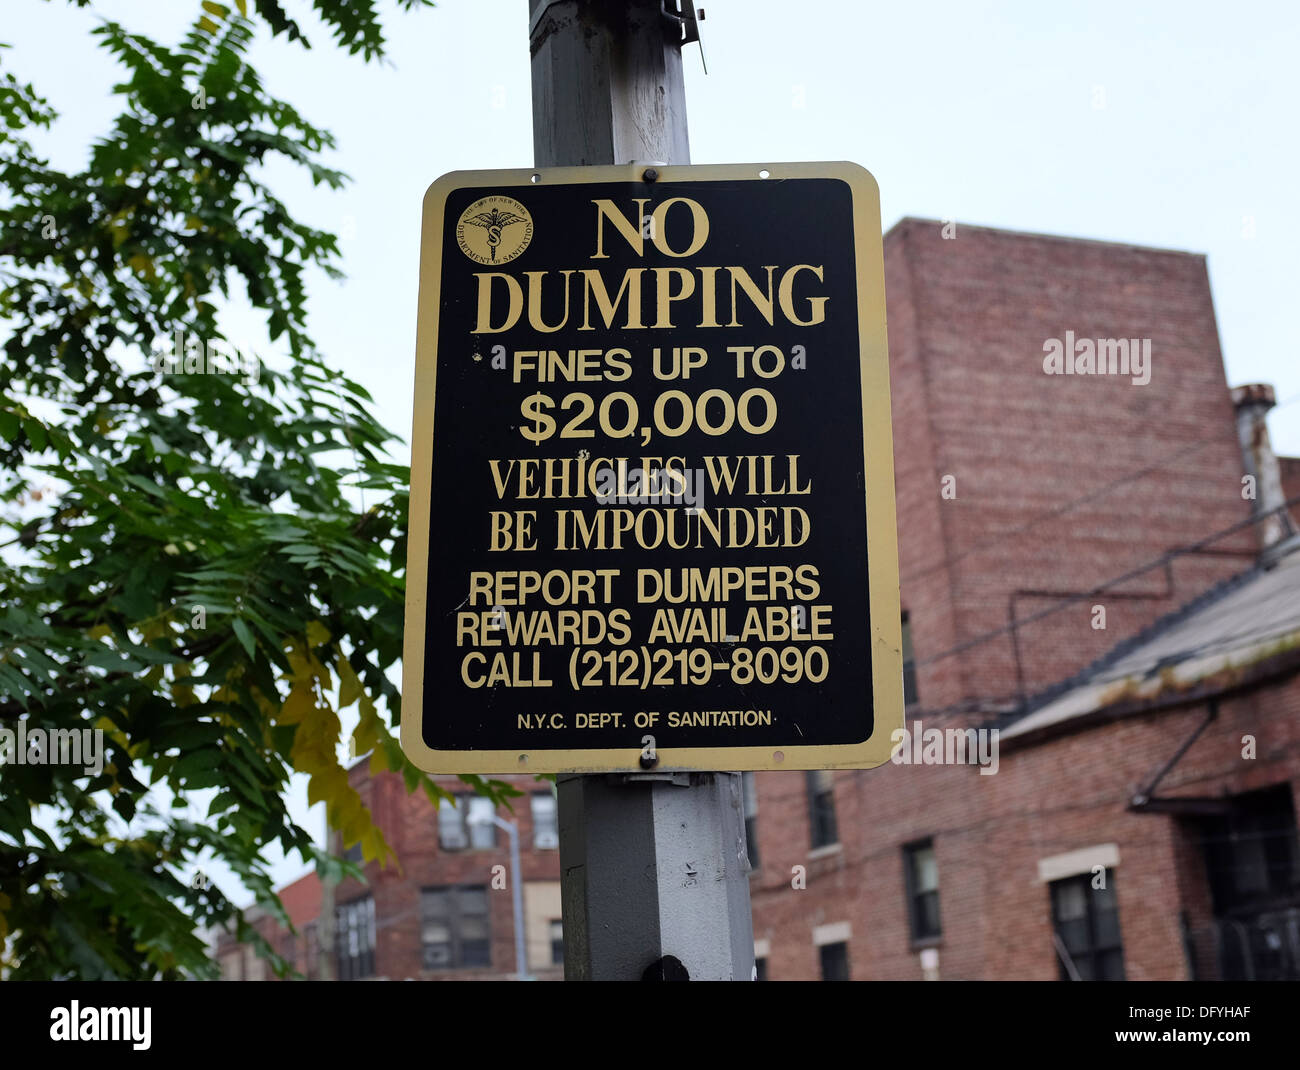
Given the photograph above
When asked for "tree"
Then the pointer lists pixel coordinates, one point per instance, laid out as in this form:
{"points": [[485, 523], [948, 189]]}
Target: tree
{"points": [[182, 570]]}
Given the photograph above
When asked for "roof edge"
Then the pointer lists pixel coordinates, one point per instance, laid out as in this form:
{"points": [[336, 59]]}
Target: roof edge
{"points": [[901, 224], [1126, 646], [1224, 684]]}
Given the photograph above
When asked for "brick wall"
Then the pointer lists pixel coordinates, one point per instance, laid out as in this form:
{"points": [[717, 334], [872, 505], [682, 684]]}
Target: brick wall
{"points": [[990, 832], [412, 827], [410, 824], [968, 318]]}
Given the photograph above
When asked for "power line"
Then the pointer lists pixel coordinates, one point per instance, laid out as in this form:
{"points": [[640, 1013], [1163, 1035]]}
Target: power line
{"points": [[1098, 589]]}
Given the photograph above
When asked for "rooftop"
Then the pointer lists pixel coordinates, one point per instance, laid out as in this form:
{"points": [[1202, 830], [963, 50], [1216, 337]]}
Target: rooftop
{"points": [[1247, 624]]}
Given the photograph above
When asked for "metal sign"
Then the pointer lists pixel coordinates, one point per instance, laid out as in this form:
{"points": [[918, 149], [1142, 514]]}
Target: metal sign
{"points": [[652, 490]]}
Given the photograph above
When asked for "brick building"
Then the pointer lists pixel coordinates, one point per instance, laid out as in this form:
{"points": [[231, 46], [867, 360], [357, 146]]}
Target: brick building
{"points": [[446, 910], [1068, 499], [302, 902], [1079, 570]]}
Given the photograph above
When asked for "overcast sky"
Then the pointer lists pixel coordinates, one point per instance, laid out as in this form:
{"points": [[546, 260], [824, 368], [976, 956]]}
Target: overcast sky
{"points": [[1170, 124]]}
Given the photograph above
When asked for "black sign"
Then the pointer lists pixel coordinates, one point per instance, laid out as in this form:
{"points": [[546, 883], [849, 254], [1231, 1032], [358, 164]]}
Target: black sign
{"points": [[652, 492]]}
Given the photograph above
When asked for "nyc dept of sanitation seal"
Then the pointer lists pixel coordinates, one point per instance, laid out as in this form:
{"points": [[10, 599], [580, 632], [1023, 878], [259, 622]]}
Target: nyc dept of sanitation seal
{"points": [[494, 230]]}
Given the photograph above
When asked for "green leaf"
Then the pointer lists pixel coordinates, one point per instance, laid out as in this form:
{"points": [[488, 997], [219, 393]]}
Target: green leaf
{"points": [[245, 637], [36, 434]]}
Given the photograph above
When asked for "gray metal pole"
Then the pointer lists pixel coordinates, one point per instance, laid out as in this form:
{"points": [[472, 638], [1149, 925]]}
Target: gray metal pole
{"points": [[654, 873], [517, 896]]}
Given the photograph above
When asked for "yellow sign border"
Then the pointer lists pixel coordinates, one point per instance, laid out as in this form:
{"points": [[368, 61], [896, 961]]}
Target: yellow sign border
{"points": [[878, 466]]}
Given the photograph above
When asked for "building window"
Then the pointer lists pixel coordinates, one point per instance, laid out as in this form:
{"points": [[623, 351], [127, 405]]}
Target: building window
{"points": [[355, 939], [557, 942], [821, 808], [1252, 860], [452, 833], [909, 662], [482, 829], [1251, 854], [749, 801], [922, 878], [454, 928], [835, 962], [546, 827], [1085, 923], [760, 969], [466, 823], [353, 854]]}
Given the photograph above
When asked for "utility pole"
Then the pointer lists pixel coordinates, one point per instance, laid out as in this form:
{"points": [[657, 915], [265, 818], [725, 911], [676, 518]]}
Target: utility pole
{"points": [[654, 872], [522, 972], [325, 928]]}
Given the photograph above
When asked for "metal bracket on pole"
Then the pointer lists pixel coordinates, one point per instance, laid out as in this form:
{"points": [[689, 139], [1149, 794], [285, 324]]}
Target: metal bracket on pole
{"points": [[689, 18], [607, 82]]}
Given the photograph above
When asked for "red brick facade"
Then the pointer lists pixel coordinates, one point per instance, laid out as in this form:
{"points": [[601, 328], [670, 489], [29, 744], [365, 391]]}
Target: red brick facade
{"points": [[990, 832], [412, 827], [968, 318], [410, 824]]}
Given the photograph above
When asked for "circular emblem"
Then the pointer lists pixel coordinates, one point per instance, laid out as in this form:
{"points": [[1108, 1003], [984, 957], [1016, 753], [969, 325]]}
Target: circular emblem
{"points": [[494, 230]]}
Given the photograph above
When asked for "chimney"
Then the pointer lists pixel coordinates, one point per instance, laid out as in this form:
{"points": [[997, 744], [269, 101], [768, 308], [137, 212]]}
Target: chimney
{"points": [[1253, 401]]}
